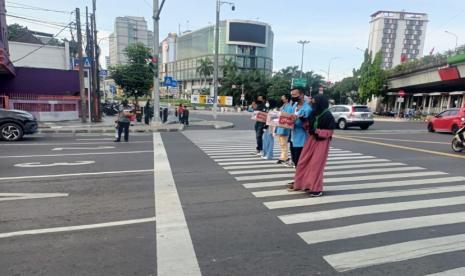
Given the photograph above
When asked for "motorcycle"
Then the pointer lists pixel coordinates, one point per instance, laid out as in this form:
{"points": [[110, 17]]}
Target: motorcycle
{"points": [[458, 142], [110, 108]]}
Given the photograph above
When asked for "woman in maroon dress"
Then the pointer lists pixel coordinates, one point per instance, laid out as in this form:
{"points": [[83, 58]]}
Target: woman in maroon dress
{"points": [[312, 162]]}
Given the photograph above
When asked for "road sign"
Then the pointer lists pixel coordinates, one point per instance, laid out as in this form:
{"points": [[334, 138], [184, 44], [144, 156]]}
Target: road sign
{"points": [[169, 81], [299, 82], [242, 97], [401, 93], [400, 100], [103, 73], [87, 62]]}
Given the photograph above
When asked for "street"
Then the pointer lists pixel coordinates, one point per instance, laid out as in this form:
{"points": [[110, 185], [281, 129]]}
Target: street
{"points": [[198, 202]]}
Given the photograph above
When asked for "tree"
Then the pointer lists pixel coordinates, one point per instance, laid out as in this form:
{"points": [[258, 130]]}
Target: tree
{"points": [[372, 77], [136, 77], [281, 82], [205, 69]]}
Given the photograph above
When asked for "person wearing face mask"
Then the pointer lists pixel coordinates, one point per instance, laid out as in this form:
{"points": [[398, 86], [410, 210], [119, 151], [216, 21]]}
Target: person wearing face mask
{"points": [[259, 126], [283, 133], [310, 170], [268, 134], [299, 135]]}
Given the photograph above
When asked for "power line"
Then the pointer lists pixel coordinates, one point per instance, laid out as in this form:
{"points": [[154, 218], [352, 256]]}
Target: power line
{"points": [[42, 46], [37, 20], [27, 6], [36, 9]]}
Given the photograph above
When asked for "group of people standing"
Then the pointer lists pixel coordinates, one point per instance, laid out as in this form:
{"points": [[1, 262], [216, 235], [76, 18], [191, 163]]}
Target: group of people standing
{"points": [[183, 114], [308, 142]]}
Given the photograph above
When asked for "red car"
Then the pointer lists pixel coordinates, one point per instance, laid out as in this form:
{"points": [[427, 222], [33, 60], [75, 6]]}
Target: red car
{"points": [[447, 121]]}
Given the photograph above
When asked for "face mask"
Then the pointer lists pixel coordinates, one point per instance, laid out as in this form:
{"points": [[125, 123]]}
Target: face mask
{"points": [[295, 99], [259, 102], [267, 105]]}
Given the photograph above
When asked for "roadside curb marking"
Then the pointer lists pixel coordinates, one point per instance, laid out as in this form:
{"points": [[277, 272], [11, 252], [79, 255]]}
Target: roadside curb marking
{"points": [[175, 250], [399, 140], [91, 148], [402, 147], [72, 174], [39, 165], [76, 154], [20, 196], [75, 228]]}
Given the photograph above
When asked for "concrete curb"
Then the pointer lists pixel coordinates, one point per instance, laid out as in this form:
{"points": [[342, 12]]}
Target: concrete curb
{"points": [[214, 124], [108, 130]]}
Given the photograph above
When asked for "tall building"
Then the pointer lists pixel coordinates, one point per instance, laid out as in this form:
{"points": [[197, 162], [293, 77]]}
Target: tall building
{"points": [[247, 43], [128, 30], [400, 36]]}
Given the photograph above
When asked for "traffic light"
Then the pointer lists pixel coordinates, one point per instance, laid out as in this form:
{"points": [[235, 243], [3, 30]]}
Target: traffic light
{"points": [[153, 64]]}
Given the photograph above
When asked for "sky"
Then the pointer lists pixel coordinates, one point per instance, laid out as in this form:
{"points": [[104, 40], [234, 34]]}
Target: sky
{"points": [[335, 28]]}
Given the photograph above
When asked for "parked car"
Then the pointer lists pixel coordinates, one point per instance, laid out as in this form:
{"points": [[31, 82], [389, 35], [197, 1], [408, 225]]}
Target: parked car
{"points": [[352, 115], [16, 123], [449, 120]]}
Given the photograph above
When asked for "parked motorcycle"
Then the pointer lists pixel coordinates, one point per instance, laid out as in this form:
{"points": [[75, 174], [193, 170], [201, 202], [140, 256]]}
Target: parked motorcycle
{"points": [[110, 108], [458, 142]]}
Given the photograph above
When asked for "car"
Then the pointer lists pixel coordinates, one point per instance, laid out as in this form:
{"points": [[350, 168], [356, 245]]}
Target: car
{"points": [[352, 115], [449, 120], [14, 124]]}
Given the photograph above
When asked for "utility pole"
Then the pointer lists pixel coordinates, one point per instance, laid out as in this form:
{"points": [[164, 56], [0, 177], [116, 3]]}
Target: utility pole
{"points": [[81, 68], [97, 63], [94, 70], [89, 72], [303, 42], [156, 50]]}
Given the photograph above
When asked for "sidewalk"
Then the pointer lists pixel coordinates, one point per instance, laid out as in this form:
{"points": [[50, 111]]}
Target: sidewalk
{"points": [[108, 126]]}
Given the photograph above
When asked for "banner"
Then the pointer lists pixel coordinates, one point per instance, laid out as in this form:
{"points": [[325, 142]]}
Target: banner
{"points": [[259, 116], [280, 119]]}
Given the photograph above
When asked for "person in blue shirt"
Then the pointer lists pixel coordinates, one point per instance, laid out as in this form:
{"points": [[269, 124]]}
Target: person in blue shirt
{"points": [[283, 133], [302, 111]]}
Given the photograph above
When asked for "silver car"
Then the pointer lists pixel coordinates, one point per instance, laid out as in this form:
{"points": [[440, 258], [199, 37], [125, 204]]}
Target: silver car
{"points": [[352, 115]]}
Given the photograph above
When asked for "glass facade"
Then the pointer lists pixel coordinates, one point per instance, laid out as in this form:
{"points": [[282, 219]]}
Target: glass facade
{"points": [[200, 44]]}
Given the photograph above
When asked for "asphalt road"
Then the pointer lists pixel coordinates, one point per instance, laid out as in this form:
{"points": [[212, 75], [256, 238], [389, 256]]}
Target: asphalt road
{"points": [[198, 202]]}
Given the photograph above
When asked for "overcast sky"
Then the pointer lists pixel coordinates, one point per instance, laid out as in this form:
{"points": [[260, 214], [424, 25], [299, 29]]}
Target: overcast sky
{"points": [[335, 27]]}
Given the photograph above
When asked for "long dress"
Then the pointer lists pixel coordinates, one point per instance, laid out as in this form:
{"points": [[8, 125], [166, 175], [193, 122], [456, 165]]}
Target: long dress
{"points": [[312, 162], [310, 169]]}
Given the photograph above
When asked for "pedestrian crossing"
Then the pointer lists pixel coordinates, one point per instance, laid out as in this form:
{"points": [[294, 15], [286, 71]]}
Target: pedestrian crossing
{"points": [[367, 198]]}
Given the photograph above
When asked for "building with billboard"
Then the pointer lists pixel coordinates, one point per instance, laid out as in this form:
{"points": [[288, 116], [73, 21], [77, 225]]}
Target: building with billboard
{"points": [[248, 43]]}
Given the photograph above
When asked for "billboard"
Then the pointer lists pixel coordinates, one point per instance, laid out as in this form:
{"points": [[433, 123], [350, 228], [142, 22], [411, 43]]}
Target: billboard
{"points": [[205, 99], [246, 33]]}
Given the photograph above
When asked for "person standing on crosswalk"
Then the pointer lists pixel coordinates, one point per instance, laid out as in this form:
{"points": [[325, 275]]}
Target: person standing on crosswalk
{"points": [[259, 126], [268, 134], [310, 170], [302, 111], [283, 133]]}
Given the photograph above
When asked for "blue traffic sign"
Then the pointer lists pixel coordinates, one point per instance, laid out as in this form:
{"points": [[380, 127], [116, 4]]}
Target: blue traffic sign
{"points": [[169, 81], [103, 73], [87, 62]]}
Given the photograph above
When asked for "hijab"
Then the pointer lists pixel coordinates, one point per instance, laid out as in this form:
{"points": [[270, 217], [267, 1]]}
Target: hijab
{"points": [[321, 116]]}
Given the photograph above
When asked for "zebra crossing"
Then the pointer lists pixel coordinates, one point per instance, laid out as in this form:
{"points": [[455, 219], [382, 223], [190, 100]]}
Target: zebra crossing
{"points": [[366, 198]]}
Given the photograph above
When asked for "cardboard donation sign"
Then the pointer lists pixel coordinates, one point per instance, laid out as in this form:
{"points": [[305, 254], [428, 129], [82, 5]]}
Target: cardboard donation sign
{"points": [[281, 119], [286, 120], [259, 116]]}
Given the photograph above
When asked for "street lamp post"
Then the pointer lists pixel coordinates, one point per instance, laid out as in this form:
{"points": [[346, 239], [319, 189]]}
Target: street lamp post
{"points": [[303, 42], [156, 46], [456, 38], [329, 65], [217, 46]]}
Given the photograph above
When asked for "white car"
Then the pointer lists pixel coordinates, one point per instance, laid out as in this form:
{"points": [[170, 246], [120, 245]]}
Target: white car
{"points": [[352, 115]]}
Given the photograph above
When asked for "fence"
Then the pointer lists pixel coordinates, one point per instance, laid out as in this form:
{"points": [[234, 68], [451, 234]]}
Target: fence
{"points": [[44, 108]]}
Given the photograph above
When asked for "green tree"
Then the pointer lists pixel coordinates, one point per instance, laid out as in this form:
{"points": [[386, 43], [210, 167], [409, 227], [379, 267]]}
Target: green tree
{"points": [[372, 77], [205, 69], [281, 82], [136, 77]]}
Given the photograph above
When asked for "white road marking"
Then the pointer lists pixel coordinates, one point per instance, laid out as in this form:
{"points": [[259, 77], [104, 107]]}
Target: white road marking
{"points": [[351, 260], [271, 165], [453, 272], [348, 172], [399, 183], [175, 251], [74, 228], [77, 154], [371, 209], [95, 139], [258, 158], [371, 165], [267, 184], [378, 227], [79, 148], [358, 161], [40, 165], [247, 162], [72, 174], [19, 144], [262, 171], [246, 156], [363, 196], [19, 196], [382, 176], [350, 158]]}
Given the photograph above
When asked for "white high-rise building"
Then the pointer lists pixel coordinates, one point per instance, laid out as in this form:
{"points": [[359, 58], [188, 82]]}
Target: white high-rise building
{"points": [[400, 36], [128, 30]]}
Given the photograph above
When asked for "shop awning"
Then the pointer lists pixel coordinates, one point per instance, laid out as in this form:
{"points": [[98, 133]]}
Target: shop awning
{"points": [[435, 94], [457, 93], [418, 95]]}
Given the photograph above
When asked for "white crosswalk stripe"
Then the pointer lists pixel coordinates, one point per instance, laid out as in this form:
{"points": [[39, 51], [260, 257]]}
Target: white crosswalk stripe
{"points": [[355, 183]]}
